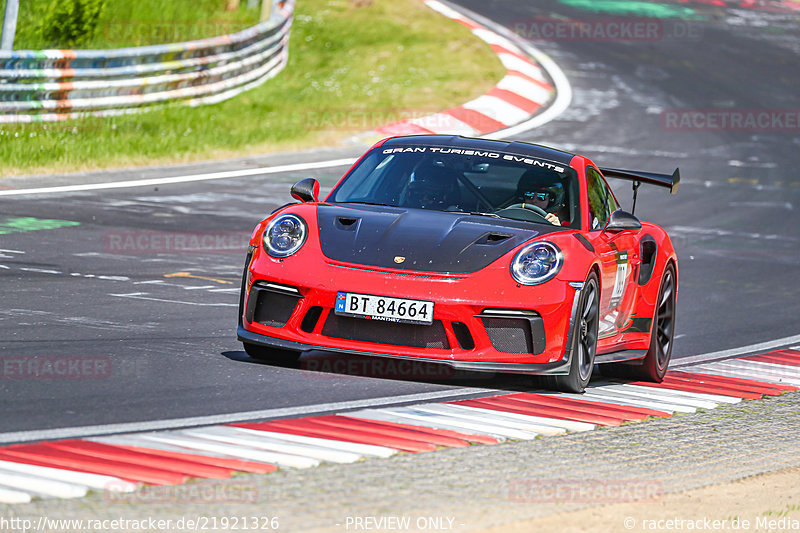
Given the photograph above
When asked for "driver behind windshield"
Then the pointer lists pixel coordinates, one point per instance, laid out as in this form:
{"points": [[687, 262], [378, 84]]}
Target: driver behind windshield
{"points": [[433, 187], [545, 192]]}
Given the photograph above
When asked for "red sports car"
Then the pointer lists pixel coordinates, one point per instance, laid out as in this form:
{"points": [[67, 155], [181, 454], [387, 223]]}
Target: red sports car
{"points": [[479, 254]]}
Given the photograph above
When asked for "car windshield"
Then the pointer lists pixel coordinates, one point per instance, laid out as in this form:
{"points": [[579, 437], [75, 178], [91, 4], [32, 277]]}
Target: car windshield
{"points": [[451, 179]]}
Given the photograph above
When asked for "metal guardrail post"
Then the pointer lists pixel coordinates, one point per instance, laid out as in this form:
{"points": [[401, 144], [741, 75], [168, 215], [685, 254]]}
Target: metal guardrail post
{"points": [[9, 25]]}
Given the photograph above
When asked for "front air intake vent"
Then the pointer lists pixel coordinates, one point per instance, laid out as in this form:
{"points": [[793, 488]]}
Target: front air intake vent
{"points": [[271, 304], [411, 335], [463, 336], [514, 331]]}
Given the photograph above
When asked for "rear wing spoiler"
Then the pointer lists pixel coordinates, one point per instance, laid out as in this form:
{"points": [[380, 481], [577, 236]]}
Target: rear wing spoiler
{"points": [[671, 182]]}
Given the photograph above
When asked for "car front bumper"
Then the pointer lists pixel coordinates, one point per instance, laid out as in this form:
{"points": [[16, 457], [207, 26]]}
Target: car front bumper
{"points": [[483, 321]]}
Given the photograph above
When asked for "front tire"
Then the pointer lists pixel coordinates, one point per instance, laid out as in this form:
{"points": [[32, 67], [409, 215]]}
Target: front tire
{"points": [[584, 340], [275, 355]]}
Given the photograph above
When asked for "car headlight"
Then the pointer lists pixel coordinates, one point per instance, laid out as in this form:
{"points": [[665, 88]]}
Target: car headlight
{"points": [[536, 263], [285, 235]]}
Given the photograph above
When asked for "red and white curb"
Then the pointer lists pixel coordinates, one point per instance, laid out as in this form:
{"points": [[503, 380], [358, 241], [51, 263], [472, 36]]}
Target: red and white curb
{"points": [[122, 463], [522, 93]]}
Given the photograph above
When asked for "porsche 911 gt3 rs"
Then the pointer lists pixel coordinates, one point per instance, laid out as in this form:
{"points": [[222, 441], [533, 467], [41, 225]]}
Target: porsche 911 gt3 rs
{"points": [[479, 254]]}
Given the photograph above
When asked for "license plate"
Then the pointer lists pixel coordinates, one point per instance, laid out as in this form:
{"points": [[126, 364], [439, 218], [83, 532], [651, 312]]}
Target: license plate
{"points": [[384, 308]]}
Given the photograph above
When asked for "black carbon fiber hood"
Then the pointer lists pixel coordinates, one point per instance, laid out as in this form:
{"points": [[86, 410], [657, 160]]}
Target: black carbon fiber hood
{"points": [[428, 241]]}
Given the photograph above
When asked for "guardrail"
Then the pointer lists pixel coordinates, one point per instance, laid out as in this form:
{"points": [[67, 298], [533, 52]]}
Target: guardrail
{"points": [[53, 85]]}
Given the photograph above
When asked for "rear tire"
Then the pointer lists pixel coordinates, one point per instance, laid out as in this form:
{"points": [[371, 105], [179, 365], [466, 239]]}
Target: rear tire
{"points": [[584, 340], [275, 355], [655, 362]]}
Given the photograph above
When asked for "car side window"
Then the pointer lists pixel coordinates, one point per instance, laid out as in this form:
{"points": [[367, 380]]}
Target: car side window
{"points": [[601, 201]]}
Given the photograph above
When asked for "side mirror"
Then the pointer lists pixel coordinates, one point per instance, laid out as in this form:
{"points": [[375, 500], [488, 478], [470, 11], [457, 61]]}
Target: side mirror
{"points": [[621, 221], [306, 190]]}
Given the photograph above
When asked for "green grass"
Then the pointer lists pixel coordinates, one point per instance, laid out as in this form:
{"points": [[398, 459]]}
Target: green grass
{"points": [[138, 22], [353, 65]]}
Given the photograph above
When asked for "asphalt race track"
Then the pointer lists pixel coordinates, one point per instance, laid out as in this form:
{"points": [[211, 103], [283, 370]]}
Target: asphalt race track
{"points": [[104, 280]]}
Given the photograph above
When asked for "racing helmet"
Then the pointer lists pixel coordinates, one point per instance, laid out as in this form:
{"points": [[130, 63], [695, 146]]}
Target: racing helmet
{"points": [[538, 185]]}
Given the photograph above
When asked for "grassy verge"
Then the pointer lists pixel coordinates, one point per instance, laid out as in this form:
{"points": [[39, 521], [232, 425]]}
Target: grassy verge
{"points": [[136, 23], [354, 65]]}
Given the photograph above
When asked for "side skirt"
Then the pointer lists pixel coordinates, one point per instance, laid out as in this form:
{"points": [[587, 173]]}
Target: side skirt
{"points": [[622, 355]]}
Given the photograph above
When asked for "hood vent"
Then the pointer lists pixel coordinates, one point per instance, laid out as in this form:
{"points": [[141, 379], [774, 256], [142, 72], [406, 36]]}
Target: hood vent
{"points": [[347, 223], [430, 241], [493, 238]]}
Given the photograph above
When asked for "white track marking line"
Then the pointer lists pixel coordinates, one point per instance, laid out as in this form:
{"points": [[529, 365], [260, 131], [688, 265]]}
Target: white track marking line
{"points": [[443, 9], [200, 287], [715, 398], [685, 396], [563, 89], [139, 296], [494, 38], [139, 442], [588, 397], [636, 395], [43, 486], [512, 62], [182, 179], [758, 374], [41, 270], [488, 416], [737, 373], [244, 452], [765, 368], [465, 421], [428, 420], [14, 496], [724, 354], [11, 251], [650, 392], [384, 415], [526, 89], [94, 481], [543, 425], [229, 436], [109, 429], [497, 109], [352, 447], [632, 401], [755, 370]]}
